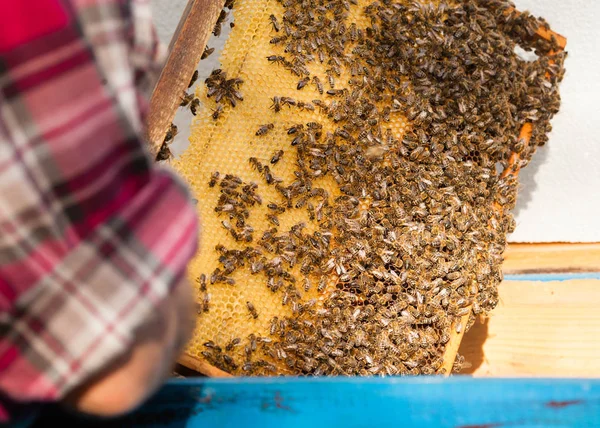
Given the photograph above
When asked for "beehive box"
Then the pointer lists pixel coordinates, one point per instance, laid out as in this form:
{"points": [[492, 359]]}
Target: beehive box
{"points": [[225, 141]]}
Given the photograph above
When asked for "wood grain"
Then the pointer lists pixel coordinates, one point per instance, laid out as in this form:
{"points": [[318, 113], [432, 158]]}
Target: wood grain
{"points": [[538, 329], [551, 258], [188, 44]]}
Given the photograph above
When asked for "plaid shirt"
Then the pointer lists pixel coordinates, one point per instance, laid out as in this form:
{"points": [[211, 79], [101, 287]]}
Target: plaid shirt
{"points": [[93, 235]]}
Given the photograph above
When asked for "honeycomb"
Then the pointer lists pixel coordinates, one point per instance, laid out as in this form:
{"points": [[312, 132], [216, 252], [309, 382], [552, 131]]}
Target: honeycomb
{"points": [[226, 317], [225, 145]]}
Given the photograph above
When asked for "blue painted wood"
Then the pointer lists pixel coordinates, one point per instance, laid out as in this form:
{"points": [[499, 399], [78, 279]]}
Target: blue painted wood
{"points": [[545, 277], [368, 402]]}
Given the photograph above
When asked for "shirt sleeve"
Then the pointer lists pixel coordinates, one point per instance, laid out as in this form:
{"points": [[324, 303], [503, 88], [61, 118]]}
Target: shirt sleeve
{"points": [[93, 235]]}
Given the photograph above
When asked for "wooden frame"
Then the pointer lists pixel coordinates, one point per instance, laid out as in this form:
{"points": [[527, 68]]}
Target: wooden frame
{"points": [[186, 49]]}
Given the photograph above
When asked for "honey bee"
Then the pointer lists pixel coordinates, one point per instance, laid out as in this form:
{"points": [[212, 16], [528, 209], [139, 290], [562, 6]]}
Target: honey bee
{"points": [[201, 280], [233, 343], [289, 101], [194, 105], [519, 145], [219, 23], [322, 284], [274, 23], [214, 74], [252, 310], [394, 289], [164, 153], [171, 133], [277, 156], [276, 105], [255, 163], [268, 176], [335, 92], [274, 207], [276, 59], [306, 284], [459, 327], [193, 79], [453, 275], [330, 79], [213, 179], [217, 111], [294, 129], [343, 133], [187, 98], [264, 129], [229, 361], [353, 32], [273, 219], [301, 202], [319, 85], [212, 345], [274, 325], [277, 40], [256, 267], [459, 364], [311, 211], [207, 52], [226, 225], [233, 96], [206, 302], [302, 83], [252, 342], [276, 286], [217, 29], [306, 106]]}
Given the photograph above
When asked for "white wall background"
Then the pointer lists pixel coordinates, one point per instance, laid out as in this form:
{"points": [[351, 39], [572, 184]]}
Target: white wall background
{"points": [[166, 17], [560, 195]]}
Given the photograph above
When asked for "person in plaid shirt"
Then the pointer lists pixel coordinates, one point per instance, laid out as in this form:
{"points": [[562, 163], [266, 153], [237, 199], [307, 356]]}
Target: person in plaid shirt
{"points": [[94, 237]]}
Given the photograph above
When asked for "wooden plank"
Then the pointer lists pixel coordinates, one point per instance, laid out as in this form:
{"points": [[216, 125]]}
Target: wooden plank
{"points": [[188, 44], [536, 259], [551, 258], [538, 329], [371, 402]]}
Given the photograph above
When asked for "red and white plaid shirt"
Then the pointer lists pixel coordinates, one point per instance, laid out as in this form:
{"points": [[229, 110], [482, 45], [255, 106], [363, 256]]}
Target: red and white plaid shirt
{"points": [[93, 235]]}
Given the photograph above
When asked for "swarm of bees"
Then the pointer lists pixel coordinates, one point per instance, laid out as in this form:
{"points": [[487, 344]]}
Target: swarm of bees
{"points": [[414, 241], [235, 202]]}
